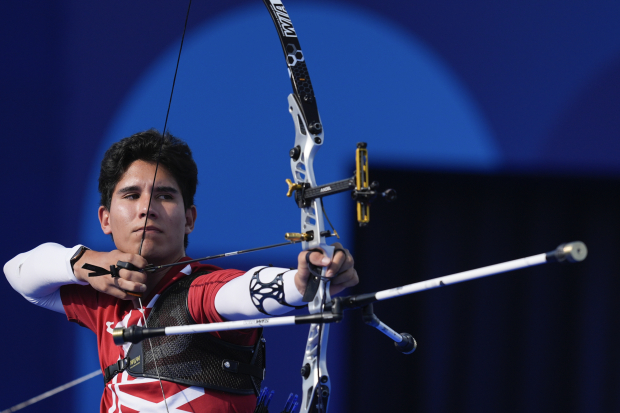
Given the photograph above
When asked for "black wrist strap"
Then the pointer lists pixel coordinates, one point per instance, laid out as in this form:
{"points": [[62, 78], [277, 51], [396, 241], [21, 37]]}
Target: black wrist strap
{"points": [[78, 254]]}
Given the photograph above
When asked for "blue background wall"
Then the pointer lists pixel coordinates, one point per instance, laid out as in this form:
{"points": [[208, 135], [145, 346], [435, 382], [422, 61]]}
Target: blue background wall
{"points": [[510, 87]]}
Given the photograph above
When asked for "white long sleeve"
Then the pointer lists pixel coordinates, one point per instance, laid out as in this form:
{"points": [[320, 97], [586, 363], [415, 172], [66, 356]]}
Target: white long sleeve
{"points": [[234, 300], [38, 274]]}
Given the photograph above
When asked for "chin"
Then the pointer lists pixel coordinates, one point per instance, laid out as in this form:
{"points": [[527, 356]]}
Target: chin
{"points": [[158, 257]]}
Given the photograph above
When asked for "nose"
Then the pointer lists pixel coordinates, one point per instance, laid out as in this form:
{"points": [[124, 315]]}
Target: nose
{"points": [[147, 206]]}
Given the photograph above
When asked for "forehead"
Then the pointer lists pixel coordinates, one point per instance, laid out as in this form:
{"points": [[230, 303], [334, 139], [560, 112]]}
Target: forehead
{"points": [[141, 173]]}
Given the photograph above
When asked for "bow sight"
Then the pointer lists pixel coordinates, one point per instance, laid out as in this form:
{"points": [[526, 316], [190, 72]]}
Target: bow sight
{"points": [[362, 190]]}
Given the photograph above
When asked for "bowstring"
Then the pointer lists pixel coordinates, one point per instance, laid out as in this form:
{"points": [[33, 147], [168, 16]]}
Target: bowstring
{"points": [[174, 79], [146, 218]]}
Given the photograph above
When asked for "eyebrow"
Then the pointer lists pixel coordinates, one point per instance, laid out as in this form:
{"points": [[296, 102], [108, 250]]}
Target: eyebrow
{"points": [[170, 189], [136, 188], [132, 188]]}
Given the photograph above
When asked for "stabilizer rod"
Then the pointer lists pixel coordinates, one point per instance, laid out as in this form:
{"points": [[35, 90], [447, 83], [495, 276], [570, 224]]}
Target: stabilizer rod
{"points": [[569, 252], [136, 334]]}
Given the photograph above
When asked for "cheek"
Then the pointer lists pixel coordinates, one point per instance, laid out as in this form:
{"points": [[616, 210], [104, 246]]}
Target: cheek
{"points": [[120, 215], [182, 219], [176, 216]]}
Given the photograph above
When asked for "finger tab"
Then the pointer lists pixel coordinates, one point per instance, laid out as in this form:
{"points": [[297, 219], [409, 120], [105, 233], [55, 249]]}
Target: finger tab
{"points": [[127, 266]]}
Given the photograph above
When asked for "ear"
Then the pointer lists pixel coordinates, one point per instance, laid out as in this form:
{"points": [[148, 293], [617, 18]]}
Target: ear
{"points": [[104, 220], [190, 219]]}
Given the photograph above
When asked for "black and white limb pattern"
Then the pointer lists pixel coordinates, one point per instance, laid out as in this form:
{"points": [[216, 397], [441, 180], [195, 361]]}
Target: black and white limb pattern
{"points": [[261, 291]]}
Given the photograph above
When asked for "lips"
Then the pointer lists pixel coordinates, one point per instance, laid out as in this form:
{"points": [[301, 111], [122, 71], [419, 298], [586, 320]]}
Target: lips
{"points": [[149, 228]]}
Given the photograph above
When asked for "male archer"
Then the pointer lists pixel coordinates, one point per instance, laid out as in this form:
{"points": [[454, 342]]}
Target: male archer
{"points": [[218, 372]]}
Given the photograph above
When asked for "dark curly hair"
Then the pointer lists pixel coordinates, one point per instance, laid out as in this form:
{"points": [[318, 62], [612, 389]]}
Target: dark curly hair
{"points": [[175, 155]]}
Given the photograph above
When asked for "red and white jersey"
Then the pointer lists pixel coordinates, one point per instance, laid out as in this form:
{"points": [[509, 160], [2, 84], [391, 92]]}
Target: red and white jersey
{"points": [[102, 313]]}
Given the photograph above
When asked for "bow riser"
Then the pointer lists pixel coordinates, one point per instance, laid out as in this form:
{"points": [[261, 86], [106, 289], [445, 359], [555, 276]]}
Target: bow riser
{"points": [[316, 384]]}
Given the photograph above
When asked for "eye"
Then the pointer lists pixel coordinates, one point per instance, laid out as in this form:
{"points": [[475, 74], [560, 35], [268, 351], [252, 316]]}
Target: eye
{"points": [[131, 196], [165, 196]]}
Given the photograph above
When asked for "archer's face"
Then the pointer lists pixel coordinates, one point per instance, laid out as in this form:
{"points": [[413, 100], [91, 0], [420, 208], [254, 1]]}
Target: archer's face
{"points": [[168, 221]]}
